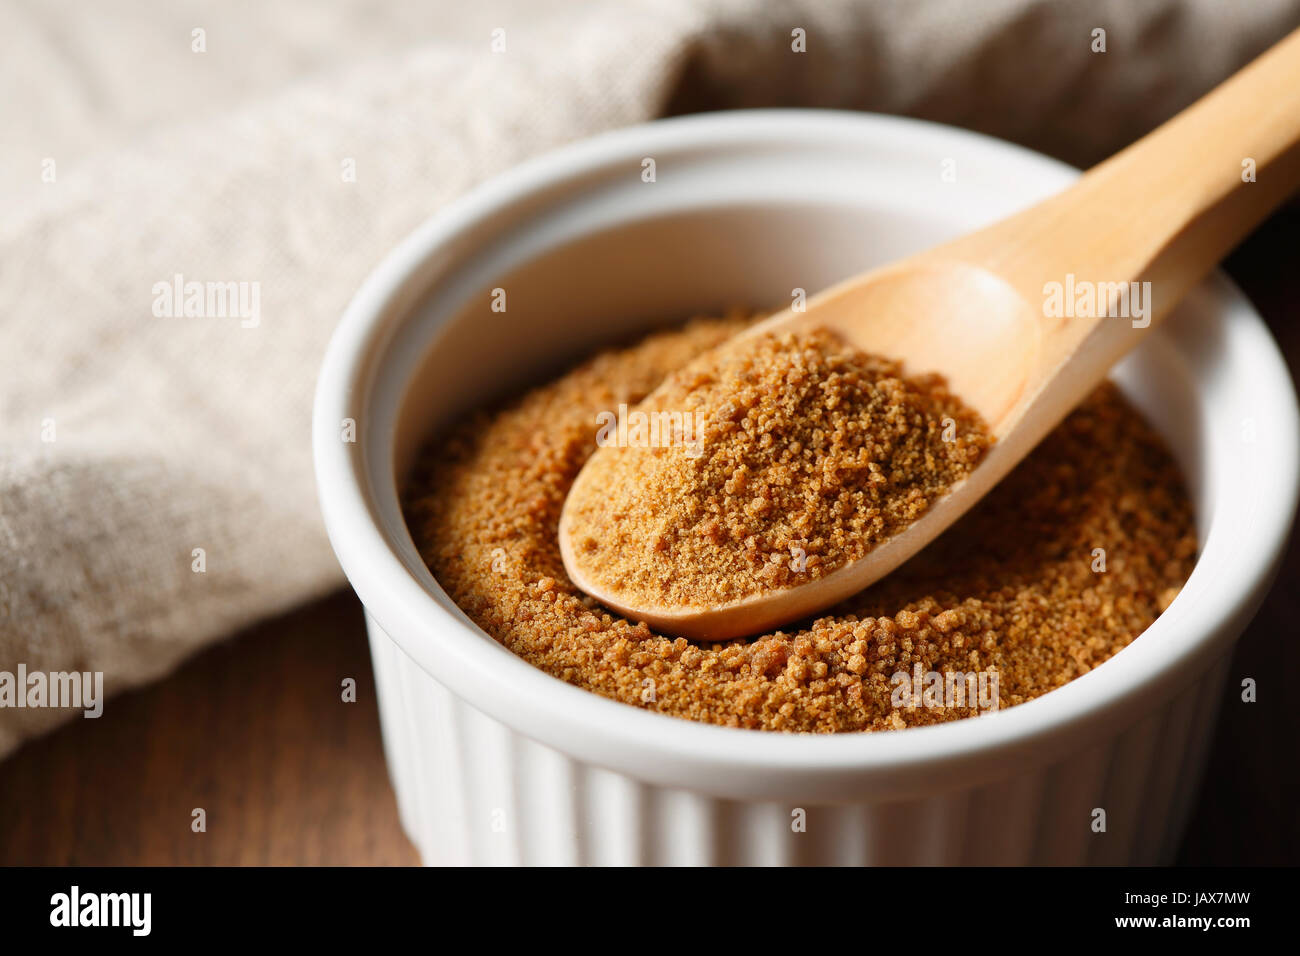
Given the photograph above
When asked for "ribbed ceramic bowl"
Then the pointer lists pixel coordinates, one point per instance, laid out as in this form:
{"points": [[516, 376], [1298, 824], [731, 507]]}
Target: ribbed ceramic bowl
{"points": [[496, 762]]}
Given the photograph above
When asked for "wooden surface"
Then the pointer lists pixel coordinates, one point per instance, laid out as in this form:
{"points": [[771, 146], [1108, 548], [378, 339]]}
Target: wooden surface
{"points": [[254, 730]]}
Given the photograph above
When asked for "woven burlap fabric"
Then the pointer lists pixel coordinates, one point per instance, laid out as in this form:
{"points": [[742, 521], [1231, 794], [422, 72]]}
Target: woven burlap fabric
{"points": [[290, 145]]}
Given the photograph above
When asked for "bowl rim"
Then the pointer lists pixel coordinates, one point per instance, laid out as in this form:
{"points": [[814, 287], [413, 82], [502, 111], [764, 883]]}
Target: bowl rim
{"points": [[689, 753]]}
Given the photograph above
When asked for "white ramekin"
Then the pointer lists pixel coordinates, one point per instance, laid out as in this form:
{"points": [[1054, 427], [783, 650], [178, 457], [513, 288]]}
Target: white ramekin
{"points": [[496, 762]]}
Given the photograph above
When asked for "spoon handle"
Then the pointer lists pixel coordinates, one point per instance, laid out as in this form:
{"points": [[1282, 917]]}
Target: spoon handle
{"points": [[1164, 211]]}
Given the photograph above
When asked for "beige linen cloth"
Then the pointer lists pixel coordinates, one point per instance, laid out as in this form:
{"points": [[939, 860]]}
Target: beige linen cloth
{"points": [[136, 149]]}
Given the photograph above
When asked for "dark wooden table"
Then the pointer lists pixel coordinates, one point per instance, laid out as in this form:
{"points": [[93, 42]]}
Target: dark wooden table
{"points": [[254, 731]]}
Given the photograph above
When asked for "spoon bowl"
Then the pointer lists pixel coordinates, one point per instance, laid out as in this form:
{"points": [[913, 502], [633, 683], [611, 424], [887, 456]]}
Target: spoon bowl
{"points": [[947, 317]]}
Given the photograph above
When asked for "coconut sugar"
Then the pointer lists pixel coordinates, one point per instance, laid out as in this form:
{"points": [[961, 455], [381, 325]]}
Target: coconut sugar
{"points": [[802, 454], [1063, 564]]}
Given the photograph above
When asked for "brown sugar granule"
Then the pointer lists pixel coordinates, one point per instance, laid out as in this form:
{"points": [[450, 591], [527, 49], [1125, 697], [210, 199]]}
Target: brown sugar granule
{"points": [[1009, 590], [793, 456]]}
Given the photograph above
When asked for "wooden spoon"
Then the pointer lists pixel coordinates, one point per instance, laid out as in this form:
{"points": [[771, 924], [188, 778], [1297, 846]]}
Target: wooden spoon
{"points": [[982, 310]]}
